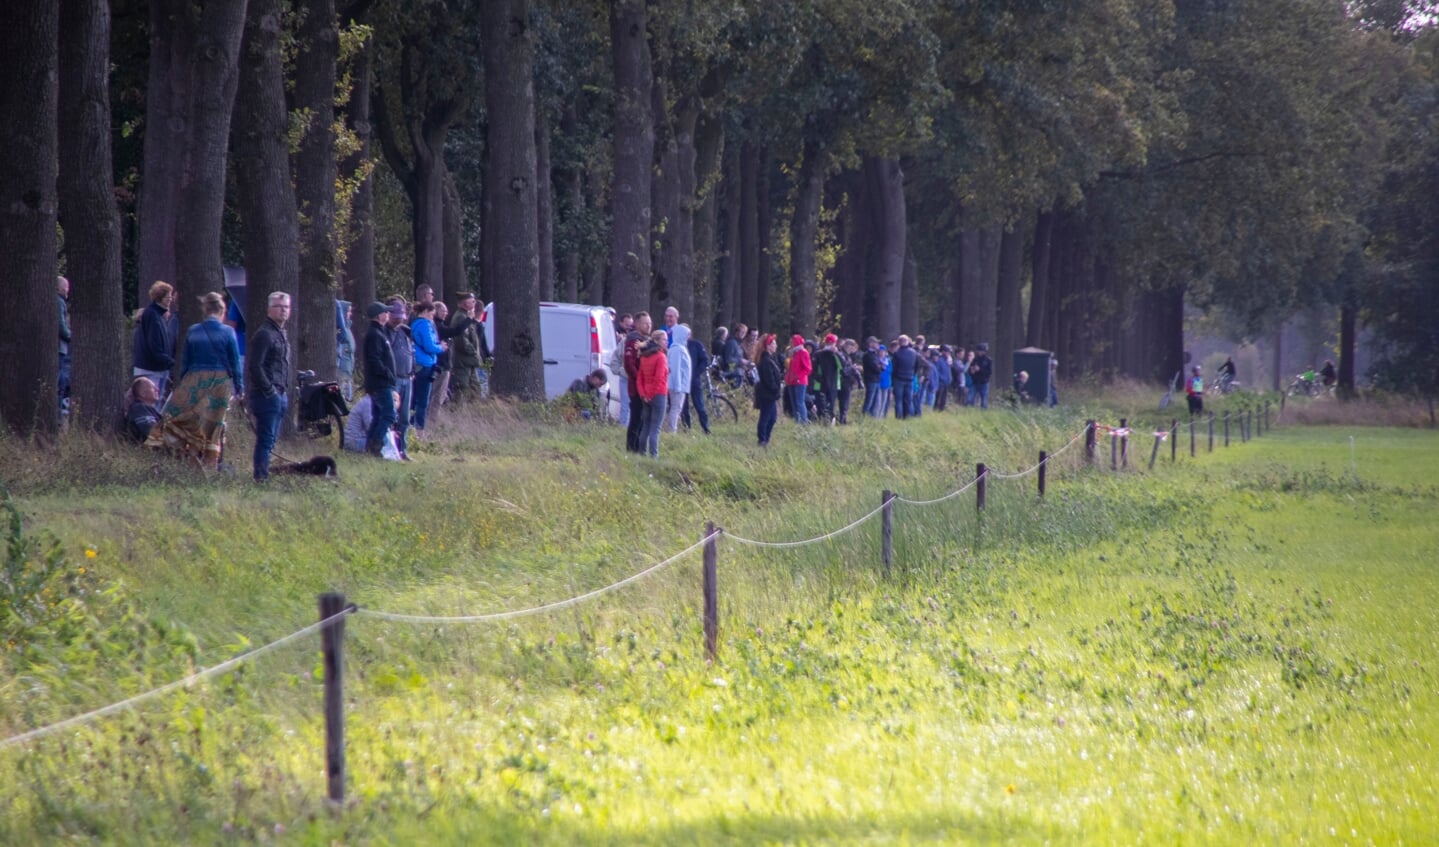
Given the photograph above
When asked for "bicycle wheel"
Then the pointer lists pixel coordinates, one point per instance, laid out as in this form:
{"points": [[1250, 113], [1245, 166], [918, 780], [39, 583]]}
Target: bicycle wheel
{"points": [[722, 409], [337, 423]]}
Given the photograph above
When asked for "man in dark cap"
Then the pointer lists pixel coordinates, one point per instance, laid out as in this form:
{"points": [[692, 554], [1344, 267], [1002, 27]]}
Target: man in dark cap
{"points": [[980, 372], [379, 375]]}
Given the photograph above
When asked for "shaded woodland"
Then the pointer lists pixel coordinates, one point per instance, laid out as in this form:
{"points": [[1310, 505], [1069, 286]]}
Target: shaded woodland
{"points": [[1073, 176]]}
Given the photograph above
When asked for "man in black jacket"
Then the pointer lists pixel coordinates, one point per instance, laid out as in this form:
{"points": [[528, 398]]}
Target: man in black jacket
{"points": [[267, 366], [379, 376], [980, 372], [903, 364], [872, 366]]}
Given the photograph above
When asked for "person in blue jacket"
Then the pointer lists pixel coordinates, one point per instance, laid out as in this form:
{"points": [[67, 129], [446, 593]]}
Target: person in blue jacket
{"points": [[428, 348]]}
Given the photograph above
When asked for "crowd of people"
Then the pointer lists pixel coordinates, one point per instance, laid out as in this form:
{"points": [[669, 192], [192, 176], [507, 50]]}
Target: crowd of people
{"points": [[811, 380], [421, 355]]}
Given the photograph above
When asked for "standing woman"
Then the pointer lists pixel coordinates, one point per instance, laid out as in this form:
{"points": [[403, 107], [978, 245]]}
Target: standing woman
{"points": [[428, 348], [653, 387], [796, 378], [154, 351], [766, 393], [194, 418]]}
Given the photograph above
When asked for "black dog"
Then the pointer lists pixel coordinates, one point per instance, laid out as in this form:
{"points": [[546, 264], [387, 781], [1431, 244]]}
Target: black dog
{"points": [[317, 466]]}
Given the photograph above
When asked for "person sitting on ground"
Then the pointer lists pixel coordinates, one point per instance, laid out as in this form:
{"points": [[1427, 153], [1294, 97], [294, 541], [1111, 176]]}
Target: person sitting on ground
{"points": [[194, 420], [585, 392], [1328, 374], [362, 417], [142, 409], [1021, 387]]}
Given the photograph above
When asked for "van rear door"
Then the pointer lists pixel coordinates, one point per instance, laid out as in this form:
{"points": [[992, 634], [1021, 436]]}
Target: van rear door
{"points": [[565, 335]]}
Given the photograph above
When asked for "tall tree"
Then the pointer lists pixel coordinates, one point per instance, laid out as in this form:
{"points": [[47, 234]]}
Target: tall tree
{"points": [[89, 216], [28, 146], [259, 140], [511, 237], [804, 230], [634, 143], [315, 170], [886, 186]]}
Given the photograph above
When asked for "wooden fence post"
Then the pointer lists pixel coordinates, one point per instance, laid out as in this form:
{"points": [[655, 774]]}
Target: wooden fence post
{"points": [[1211, 432], [1091, 437], [979, 475], [711, 588], [1191, 437], [1173, 439], [1043, 465], [1226, 429], [332, 644], [1267, 427], [1155, 453], [1113, 450], [1124, 443], [886, 530]]}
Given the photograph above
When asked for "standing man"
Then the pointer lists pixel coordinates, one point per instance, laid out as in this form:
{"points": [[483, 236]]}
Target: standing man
{"points": [[980, 372], [464, 349], [672, 319], [379, 376], [62, 291], [873, 369], [905, 362], [623, 327], [268, 373], [633, 342], [402, 348]]}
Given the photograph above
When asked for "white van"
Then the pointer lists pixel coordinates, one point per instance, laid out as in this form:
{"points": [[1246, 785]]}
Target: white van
{"points": [[575, 339]]}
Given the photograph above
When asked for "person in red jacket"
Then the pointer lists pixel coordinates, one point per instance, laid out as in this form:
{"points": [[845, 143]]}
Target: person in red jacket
{"points": [[652, 385], [796, 378]]}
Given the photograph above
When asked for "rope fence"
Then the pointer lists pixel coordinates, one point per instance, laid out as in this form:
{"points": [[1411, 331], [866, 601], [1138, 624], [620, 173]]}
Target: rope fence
{"points": [[334, 609]]}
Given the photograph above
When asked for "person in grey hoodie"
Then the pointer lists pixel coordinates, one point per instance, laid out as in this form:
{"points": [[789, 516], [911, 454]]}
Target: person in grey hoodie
{"points": [[345, 349], [681, 369], [404, 352]]}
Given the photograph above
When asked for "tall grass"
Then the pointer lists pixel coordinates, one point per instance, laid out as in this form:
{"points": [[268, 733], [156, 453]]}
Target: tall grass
{"points": [[1231, 648]]}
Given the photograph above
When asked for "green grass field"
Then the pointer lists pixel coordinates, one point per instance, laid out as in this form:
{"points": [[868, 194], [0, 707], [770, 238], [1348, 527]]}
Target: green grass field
{"points": [[1236, 648]]}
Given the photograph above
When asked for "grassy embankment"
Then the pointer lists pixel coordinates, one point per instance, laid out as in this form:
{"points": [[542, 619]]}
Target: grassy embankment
{"points": [[1234, 648]]}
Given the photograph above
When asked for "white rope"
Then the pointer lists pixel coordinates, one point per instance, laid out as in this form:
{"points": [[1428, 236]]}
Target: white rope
{"points": [[816, 539], [950, 496], [547, 607], [166, 689]]}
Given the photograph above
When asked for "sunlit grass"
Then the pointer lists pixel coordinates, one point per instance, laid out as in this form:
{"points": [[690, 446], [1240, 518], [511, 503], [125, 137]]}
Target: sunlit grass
{"points": [[1231, 648]]}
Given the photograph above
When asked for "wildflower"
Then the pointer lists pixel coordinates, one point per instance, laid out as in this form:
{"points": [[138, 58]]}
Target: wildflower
{"points": [[90, 553], [1009, 789]]}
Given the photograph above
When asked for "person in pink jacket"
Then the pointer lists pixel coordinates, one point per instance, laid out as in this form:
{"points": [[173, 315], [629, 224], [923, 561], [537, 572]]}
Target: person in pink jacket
{"points": [[796, 378]]}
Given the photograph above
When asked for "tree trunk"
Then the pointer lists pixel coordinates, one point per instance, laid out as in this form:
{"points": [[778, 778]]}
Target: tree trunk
{"points": [[709, 153], [511, 237], [315, 171], [1348, 319], [89, 216], [167, 117], [764, 224], [29, 62], [573, 210], [454, 280], [634, 144], [730, 251], [665, 203], [201, 201], [260, 144], [804, 229], [1009, 316], [749, 238], [909, 292], [545, 204], [359, 270], [1035, 335], [886, 180], [849, 270], [682, 289]]}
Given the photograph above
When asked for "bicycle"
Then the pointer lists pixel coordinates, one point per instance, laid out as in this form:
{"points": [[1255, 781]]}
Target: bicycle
{"points": [[1307, 385], [717, 402], [1226, 384]]}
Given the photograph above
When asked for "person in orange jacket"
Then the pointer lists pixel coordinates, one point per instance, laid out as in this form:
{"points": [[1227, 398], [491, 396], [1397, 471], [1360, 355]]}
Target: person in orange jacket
{"points": [[653, 388], [796, 378]]}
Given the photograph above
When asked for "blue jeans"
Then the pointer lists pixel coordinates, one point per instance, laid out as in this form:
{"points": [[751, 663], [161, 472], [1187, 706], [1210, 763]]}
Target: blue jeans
{"points": [[269, 411], [697, 402], [871, 400], [624, 389], [654, 414], [424, 381], [979, 395], [768, 414], [903, 397], [797, 405], [402, 415], [381, 423]]}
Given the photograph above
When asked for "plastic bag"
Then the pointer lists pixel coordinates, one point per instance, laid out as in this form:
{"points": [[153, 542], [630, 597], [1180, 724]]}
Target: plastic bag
{"points": [[391, 448]]}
